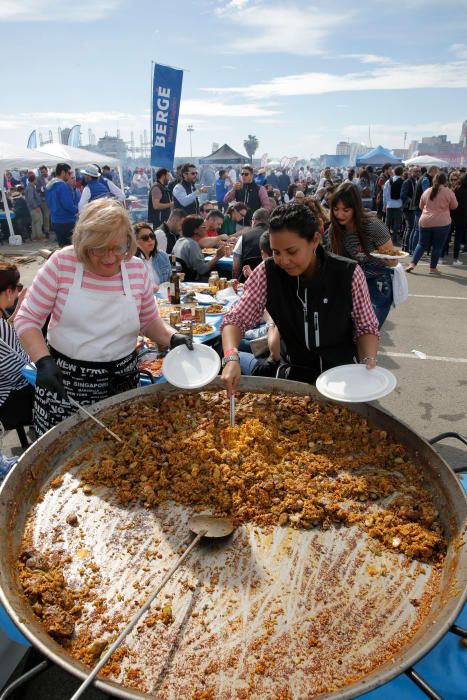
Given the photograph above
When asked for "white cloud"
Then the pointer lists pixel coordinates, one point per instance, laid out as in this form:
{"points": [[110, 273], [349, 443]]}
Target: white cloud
{"points": [[459, 50], [280, 29], [56, 10], [394, 77], [224, 109], [365, 57]]}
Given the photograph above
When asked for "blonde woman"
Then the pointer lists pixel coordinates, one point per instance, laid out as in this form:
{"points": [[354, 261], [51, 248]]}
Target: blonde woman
{"points": [[99, 298]]}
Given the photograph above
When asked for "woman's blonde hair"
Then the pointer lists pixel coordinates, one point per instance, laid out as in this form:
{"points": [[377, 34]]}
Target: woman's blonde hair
{"points": [[99, 223]]}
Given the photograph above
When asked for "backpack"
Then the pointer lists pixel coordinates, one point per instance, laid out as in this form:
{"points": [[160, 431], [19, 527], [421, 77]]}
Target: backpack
{"points": [[396, 187]]}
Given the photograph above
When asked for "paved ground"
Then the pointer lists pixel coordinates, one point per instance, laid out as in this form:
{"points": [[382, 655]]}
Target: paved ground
{"points": [[430, 395]]}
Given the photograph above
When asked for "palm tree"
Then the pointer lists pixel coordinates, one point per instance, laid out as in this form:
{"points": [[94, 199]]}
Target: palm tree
{"points": [[251, 145]]}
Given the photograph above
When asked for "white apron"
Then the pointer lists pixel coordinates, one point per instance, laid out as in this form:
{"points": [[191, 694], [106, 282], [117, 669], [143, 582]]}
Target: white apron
{"points": [[93, 344], [96, 326]]}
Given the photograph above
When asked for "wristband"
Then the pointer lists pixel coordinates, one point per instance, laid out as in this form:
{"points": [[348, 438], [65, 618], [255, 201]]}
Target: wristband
{"points": [[230, 351], [365, 359]]}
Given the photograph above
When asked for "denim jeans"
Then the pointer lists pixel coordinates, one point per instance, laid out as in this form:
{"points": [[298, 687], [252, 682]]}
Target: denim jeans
{"points": [[247, 362], [381, 295], [434, 237], [415, 233], [460, 237], [63, 233]]}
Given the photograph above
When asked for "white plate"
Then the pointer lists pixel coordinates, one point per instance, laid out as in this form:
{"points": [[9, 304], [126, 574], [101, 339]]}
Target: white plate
{"points": [[204, 298], [383, 256], [356, 383], [191, 369]]}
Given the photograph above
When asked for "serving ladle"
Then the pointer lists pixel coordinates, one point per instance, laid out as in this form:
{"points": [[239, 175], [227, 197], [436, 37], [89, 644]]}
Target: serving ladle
{"points": [[202, 526]]}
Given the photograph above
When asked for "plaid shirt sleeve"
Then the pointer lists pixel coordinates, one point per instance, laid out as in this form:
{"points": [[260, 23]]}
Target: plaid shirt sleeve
{"points": [[248, 311], [363, 316]]}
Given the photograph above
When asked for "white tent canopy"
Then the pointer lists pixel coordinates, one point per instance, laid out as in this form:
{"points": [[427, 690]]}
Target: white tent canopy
{"points": [[18, 159], [427, 161], [78, 157]]}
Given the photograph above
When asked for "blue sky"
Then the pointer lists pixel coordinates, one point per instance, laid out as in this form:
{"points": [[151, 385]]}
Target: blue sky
{"points": [[301, 76]]}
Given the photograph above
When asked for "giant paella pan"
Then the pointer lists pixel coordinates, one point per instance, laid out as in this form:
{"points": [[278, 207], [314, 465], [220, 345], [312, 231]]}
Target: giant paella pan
{"points": [[346, 566]]}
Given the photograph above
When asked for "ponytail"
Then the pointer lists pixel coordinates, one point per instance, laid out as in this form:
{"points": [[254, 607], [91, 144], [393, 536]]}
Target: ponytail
{"points": [[438, 180]]}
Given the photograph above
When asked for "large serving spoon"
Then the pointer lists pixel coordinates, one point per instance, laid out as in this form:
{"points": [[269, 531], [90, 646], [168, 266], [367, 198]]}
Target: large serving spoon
{"points": [[202, 526]]}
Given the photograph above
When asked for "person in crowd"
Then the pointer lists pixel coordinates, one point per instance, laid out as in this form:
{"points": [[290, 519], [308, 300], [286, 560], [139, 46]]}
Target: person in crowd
{"points": [[283, 181], [350, 175], [33, 200], [453, 180], [22, 220], [175, 180], [319, 212], [384, 176], [97, 187], [16, 394], [107, 172], [185, 193], [356, 234], [248, 192], [214, 221], [460, 218], [364, 184], [299, 197], [99, 298], [326, 178], [60, 201], [223, 184], [260, 177], [157, 262], [188, 252], [140, 182], [392, 203], [408, 207], [169, 231], [206, 207], [76, 192], [291, 286], [436, 203], [160, 199], [247, 250], [41, 184], [290, 194], [277, 196], [273, 179], [233, 218]]}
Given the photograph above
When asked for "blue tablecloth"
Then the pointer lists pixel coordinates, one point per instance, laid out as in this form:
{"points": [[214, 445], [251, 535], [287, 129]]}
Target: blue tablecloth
{"points": [[223, 263]]}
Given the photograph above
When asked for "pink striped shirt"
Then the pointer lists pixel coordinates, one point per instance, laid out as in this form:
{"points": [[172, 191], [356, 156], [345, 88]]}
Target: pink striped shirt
{"points": [[49, 290]]}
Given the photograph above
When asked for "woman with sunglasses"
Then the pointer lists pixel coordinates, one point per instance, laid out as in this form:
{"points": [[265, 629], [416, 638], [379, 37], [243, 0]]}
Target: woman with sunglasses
{"points": [[99, 298], [16, 395], [157, 262]]}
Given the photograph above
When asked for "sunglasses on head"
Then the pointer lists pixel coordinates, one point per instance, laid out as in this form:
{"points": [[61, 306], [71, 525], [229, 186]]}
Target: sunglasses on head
{"points": [[147, 237]]}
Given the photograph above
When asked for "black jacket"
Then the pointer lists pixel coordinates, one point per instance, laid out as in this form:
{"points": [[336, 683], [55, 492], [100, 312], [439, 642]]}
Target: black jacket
{"points": [[319, 336]]}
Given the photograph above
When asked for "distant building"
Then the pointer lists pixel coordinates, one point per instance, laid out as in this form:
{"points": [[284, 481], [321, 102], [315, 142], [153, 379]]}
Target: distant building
{"points": [[111, 146], [352, 150], [439, 146], [401, 153]]}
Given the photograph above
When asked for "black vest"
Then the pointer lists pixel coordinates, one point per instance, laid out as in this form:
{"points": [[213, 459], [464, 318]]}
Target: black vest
{"points": [[171, 237], [329, 309], [158, 216], [249, 195], [192, 208], [250, 244]]}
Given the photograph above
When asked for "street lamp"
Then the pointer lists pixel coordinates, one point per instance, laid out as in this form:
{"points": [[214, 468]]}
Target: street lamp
{"points": [[190, 130]]}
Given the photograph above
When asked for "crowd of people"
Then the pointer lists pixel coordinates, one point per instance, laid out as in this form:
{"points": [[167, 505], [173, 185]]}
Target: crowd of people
{"points": [[302, 242]]}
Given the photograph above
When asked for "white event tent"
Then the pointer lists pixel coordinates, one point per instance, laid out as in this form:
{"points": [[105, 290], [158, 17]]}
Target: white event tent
{"points": [[79, 157], [427, 161], [16, 159]]}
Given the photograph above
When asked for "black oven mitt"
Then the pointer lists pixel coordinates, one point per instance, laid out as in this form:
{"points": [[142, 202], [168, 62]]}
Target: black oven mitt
{"points": [[49, 376], [180, 339]]}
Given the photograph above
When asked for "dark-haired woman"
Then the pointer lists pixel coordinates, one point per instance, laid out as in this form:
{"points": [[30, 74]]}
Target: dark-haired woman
{"points": [[355, 234], [460, 219], [16, 395], [318, 301], [157, 261], [436, 204]]}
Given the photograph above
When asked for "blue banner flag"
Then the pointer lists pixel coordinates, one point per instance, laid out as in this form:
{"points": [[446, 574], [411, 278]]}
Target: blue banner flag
{"points": [[166, 95]]}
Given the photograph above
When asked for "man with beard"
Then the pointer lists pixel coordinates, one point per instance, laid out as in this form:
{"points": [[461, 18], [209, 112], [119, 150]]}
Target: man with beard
{"points": [[253, 195], [185, 192], [160, 200]]}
